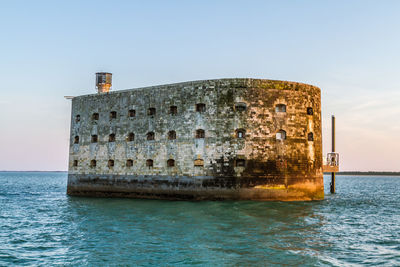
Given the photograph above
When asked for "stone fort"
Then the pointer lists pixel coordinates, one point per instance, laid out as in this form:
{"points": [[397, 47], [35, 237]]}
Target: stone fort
{"points": [[252, 139]]}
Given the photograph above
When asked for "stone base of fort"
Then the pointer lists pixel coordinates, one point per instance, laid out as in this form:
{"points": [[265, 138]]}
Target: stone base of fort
{"points": [[195, 188]]}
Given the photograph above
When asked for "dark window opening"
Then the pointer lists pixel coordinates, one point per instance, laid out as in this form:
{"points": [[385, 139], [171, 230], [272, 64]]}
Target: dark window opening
{"points": [[149, 163], [200, 133], [310, 137], [281, 135], [280, 108], [201, 107], [93, 163], [131, 137], [240, 163], [94, 138], [111, 138], [78, 118], [110, 163], [129, 163], [132, 113], [173, 110], [240, 107], [240, 133], [75, 163], [76, 140], [171, 163], [95, 116], [171, 135], [310, 111], [150, 136], [113, 115], [151, 111]]}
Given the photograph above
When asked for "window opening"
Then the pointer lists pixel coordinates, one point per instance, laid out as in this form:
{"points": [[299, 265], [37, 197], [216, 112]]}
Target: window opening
{"points": [[171, 135], [113, 115], [200, 107], [200, 133], [240, 163], [281, 135], [110, 163], [310, 111], [129, 163], [151, 111], [171, 163], [111, 138], [95, 116], [240, 107], [150, 136], [132, 113], [75, 163], [76, 140], [131, 137], [173, 110], [93, 163], [240, 133], [149, 163], [78, 118], [280, 108], [94, 138], [310, 137]]}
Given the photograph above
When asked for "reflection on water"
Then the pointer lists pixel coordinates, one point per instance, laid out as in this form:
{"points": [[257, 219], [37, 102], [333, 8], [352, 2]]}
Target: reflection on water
{"points": [[39, 224]]}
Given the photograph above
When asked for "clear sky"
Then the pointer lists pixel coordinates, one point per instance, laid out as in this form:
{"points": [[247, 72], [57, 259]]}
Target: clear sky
{"points": [[350, 49]]}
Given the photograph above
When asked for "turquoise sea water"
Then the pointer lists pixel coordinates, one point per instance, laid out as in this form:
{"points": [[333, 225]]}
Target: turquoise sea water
{"points": [[40, 225]]}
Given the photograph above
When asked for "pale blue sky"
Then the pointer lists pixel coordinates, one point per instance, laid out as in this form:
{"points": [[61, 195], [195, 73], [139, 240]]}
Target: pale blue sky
{"points": [[53, 48]]}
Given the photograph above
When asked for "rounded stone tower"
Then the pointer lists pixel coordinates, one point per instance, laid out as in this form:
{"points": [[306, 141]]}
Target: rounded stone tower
{"points": [[251, 139]]}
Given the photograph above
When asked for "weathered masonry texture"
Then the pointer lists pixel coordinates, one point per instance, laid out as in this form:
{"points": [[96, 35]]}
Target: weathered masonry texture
{"points": [[212, 139]]}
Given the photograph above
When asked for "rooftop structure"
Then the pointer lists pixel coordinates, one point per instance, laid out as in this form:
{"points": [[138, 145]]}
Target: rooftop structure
{"points": [[103, 82]]}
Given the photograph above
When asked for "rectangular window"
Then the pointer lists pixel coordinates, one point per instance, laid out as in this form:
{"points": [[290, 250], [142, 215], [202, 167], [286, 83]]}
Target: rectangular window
{"points": [[94, 138], [201, 107], [150, 136], [129, 163], [200, 133], [240, 106], [149, 163], [173, 110], [93, 163], [111, 138], [151, 111], [280, 108], [240, 163]]}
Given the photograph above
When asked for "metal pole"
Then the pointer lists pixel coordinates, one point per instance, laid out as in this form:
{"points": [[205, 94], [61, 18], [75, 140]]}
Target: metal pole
{"points": [[333, 150]]}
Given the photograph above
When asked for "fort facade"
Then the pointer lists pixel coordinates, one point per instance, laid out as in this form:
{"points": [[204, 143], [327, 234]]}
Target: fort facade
{"points": [[250, 139]]}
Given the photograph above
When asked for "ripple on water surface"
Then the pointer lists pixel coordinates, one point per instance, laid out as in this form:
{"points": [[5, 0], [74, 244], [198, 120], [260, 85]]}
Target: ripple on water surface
{"points": [[40, 225]]}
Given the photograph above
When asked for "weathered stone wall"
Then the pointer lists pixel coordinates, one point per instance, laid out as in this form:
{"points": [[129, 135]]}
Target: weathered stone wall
{"points": [[289, 169]]}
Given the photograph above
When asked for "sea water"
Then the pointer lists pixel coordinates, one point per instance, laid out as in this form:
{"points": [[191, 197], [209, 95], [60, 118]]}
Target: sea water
{"points": [[41, 225]]}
